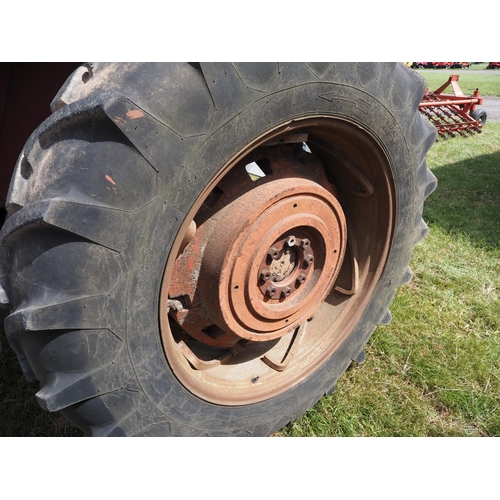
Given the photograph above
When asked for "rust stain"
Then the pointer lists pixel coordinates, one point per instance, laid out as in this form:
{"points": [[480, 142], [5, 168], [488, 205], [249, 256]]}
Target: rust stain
{"points": [[109, 179], [134, 114], [121, 123]]}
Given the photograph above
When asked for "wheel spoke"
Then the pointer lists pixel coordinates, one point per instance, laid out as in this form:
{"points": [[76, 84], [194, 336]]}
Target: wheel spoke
{"points": [[365, 187], [353, 252], [196, 362], [292, 350]]}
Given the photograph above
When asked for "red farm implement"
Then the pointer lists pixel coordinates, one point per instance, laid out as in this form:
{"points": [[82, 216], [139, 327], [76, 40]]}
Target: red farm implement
{"points": [[455, 113]]}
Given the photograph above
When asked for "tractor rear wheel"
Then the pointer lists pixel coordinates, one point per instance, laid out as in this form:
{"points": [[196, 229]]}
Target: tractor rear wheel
{"points": [[203, 249]]}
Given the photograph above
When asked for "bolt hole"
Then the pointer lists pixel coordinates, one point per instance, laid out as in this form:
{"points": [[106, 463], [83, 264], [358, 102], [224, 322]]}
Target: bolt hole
{"points": [[236, 287], [295, 205]]}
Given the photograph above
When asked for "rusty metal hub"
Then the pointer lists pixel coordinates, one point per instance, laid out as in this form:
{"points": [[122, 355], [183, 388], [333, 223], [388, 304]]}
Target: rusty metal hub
{"points": [[266, 281], [286, 266], [259, 267]]}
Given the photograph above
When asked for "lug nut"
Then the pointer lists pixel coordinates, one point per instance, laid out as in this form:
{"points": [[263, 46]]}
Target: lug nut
{"points": [[290, 241], [305, 243], [286, 291], [270, 290], [273, 252], [308, 259], [265, 274], [301, 278]]}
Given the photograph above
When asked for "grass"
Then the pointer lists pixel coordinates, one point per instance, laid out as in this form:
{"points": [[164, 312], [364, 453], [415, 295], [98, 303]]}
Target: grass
{"points": [[469, 80], [434, 371]]}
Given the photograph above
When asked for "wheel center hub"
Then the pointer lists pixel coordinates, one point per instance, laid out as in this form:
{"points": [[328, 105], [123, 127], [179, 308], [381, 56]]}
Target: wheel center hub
{"points": [[284, 265], [262, 265]]}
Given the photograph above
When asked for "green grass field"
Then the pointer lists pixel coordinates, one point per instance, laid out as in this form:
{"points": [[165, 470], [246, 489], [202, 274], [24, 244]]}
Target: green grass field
{"points": [[469, 80], [434, 371]]}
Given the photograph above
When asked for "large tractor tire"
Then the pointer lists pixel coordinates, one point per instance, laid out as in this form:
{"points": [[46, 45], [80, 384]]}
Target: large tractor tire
{"points": [[203, 249]]}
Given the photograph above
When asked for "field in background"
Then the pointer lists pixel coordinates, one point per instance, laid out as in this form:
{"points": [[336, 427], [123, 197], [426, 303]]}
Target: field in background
{"points": [[488, 81]]}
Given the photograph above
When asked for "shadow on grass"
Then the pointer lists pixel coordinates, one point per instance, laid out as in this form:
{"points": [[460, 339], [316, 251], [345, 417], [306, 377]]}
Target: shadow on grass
{"points": [[20, 413], [467, 200]]}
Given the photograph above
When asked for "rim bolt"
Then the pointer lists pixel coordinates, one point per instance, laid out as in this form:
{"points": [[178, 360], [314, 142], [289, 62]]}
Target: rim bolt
{"points": [[305, 243], [290, 241], [265, 274], [286, 291], [301, 278], [273, 252], [270, 290], [308, 259]]}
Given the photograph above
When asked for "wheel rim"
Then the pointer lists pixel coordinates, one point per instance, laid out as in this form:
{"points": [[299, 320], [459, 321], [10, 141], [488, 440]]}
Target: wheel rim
{"points": [[269, 276]]}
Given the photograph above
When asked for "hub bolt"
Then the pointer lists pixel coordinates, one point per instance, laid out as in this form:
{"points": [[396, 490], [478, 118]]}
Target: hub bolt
{"points": [[308, 259], [273, 252], [286, 291], [301, 278], [270, 290], [265, 275]]}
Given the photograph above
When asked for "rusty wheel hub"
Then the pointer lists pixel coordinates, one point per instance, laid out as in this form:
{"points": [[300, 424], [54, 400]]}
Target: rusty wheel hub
{"points": [[267, 281], [259, 267]]}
